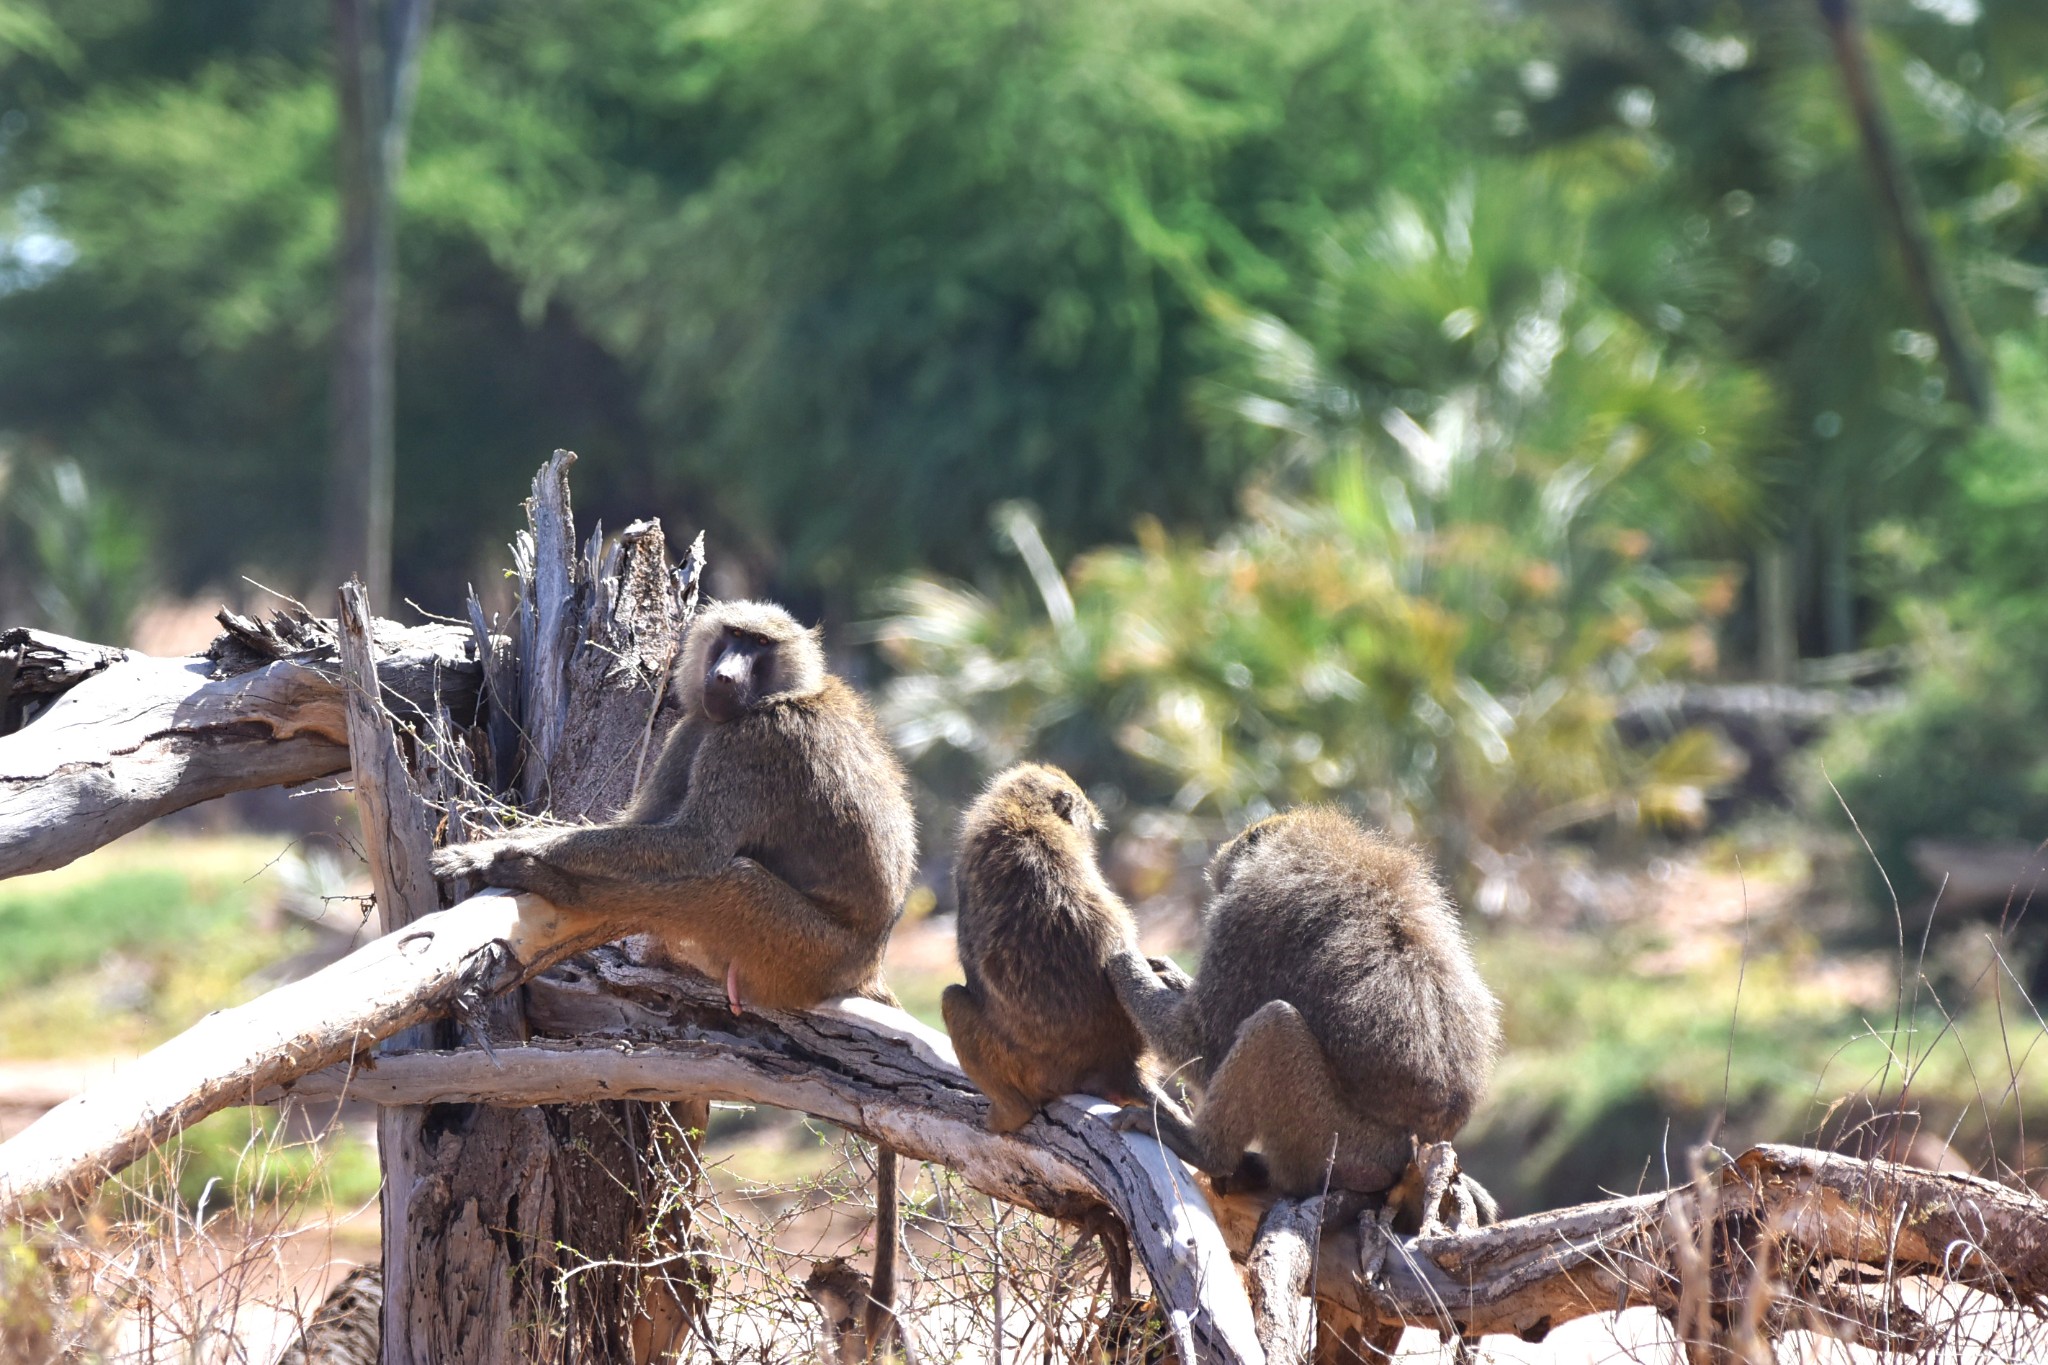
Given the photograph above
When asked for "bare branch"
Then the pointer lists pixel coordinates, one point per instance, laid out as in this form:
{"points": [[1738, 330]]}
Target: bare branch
{"points": [[879, 1074], [486, 944], [110, 739]]}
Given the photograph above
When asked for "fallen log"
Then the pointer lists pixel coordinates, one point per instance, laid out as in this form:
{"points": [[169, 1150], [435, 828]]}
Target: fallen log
{"points": [[97, 741], [870, 1069], [878, 1074], [451, 960], [844, 1064]]}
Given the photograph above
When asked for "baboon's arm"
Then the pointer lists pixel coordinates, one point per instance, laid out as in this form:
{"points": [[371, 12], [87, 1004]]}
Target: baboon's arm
{"points": [[571, 867], [1156, 1006]]}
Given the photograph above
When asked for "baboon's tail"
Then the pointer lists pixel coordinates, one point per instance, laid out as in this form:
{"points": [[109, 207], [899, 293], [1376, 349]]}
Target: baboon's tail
{"points": [[884, 1333]]}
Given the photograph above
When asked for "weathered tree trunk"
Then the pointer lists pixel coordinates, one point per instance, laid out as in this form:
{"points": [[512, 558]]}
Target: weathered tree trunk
{"points": [[597, 709], [377, 45], [398, 842], [579, 705], [119, 738]]}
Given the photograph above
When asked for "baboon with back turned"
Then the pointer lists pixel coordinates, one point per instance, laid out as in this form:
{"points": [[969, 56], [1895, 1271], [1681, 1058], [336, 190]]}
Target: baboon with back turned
{"points": [[770, 848], [1336, 1018], [1038, 928]]}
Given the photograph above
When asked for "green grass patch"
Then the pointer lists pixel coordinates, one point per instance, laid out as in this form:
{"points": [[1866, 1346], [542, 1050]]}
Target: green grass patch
{"points": [[125, 947], [240, 1159], [44, 934], [1611, 1070]]}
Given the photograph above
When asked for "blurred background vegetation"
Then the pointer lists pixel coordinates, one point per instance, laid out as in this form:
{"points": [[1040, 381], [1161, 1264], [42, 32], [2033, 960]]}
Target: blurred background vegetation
{"points": [[1438, 409]]}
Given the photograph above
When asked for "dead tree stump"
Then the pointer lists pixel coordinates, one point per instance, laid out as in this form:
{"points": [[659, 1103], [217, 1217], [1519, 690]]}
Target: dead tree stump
{"points": [[556, 1232]]}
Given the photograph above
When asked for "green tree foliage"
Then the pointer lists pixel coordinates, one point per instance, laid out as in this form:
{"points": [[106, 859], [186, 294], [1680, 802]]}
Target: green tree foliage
{"points": [[1472, 354], [931, 256], [1967, 756], [1485, 487], [838, 277], [1753, 163], [184, 158]]}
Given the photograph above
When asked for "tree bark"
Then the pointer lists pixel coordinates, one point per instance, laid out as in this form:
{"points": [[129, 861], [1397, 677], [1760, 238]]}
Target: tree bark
{"points": [[106, 740], [578, 701], [398, 844]]}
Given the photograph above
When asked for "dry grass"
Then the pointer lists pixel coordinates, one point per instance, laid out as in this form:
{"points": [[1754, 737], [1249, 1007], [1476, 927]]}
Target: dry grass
{"points": [[148, 1275], [974, 1272]]}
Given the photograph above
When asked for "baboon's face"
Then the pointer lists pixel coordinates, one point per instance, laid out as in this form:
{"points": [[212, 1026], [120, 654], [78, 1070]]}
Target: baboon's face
{"points": [[741, 669], [742, 656]]}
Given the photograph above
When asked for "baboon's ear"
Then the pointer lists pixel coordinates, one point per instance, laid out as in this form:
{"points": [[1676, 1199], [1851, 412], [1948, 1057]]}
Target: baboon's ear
{"points": [[1231, 854], [1068, 805]]}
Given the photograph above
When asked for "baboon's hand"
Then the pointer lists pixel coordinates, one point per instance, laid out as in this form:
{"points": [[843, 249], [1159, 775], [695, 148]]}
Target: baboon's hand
{"points": [[458, 860], [494, 862], [1169, 973]]}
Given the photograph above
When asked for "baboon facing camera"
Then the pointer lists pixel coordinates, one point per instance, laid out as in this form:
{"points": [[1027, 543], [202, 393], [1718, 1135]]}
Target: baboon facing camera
{"points": [[1337, 1016], [773, 843], [770, 848]]}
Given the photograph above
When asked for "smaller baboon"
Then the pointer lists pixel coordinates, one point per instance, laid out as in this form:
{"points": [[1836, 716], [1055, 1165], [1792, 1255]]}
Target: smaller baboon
{"points": [[1038, 927], [1336, 1016]]}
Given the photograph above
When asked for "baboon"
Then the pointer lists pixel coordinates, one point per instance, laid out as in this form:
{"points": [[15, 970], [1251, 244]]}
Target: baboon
{"points": [[1336, 1016], [1038, 926], [770, 848], [773, 843]]}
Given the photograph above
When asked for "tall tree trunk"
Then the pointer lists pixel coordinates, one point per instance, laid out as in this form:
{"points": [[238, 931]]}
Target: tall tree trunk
{"points": [[1777, 614], [376, 50], [1932, 289], [488, 1210]]}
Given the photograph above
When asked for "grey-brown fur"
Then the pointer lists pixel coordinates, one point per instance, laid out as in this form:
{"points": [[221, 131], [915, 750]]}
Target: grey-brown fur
{"points": [[1337, 1012], [774, 838], [1038, 928]]}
